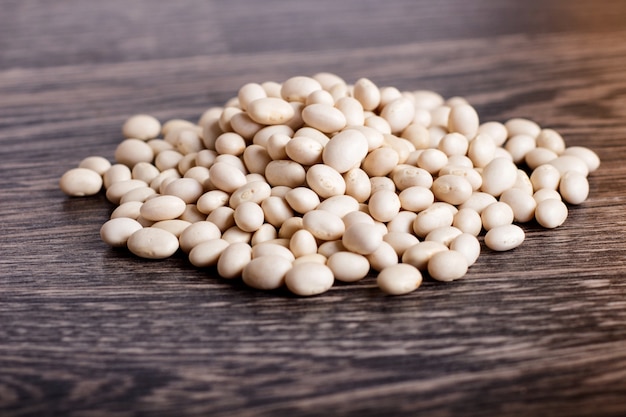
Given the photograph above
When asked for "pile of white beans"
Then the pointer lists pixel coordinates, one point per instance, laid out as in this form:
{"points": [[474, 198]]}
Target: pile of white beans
{"points": [[314, 180]]}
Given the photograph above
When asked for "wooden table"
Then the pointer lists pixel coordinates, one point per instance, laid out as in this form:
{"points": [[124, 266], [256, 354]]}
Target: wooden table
{"points": [[90, 331]]}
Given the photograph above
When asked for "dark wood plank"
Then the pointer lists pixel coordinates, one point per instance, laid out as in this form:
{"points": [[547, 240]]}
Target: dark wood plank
{"points": [[90, 331]]}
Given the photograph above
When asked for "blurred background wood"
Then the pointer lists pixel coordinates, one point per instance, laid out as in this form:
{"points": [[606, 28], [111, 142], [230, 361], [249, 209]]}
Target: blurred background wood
{"points": [[90, 331]]}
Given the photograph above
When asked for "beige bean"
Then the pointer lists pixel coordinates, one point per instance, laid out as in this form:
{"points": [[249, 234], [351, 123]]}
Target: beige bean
{"points": [[339, 205], [324, 117], [233, 260], [302, 199], [117, 173], [496, 214], [174, 226], [116, 231], [270, 111], [265, 233], [276, 210], [325, 181], [197, 233], [444, 234], [327, 248], [405, 176], [354, 217], [309, 278], [447, 265], [235, 234], [285, 172], [546, 193], [302, 242], [521, 126], [132, 151], [187, 189], [250, 92], [141, 126], [452, 189], [152, 243], [367, 93], [498, 176], [273, 248], [320, 97], [384, 205], [163, 207], [254, 191], [566, 163], [416, 198], [362, 238], [574, 187], [226, 177], [262, 136], [468, 245], [323, 225], [345, 150], [463, 119], [378, 123], [551, 213], [382, 257], [495, 130], [130, 209], [380, 162], [211, 200], [399, 279], [478, 201], [352, 111], [116, 191], [399, 113], [358, 185], [552, 140], [167, 159], [80, 182], [243, 124], [519, 145], [266, 272], [95, 163], [503, 238], [400, 241], [403, 222], [545, 176], [481, 150], [591, 159], [468, 221], [430, 219], [417, 134], [419, 254], [375, 139], [249, 216], [298, 88], [289, 227], [432, 160], [304, 150], [348, 266], [539, 156], [522, 203], [207, 252], [223, 217], [453, 144]]}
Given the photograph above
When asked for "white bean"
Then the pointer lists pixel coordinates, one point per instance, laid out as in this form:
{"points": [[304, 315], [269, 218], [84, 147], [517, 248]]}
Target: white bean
{"points": [[503, 238], [266, 272], [448, 265], [348, 266], [551, 213], [152, 243], [309, 278], [574, 187], [80, 182], [399, 279], [234, 259], [116, 231]]}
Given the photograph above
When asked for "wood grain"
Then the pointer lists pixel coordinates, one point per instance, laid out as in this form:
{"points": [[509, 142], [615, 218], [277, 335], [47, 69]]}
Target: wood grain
{"points": [[86, 330]]}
